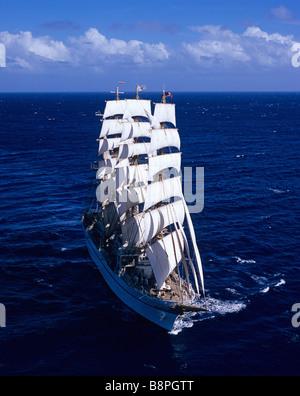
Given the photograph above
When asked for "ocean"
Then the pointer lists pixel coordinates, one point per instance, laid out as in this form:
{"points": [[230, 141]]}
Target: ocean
{"points": [[62, 319]]}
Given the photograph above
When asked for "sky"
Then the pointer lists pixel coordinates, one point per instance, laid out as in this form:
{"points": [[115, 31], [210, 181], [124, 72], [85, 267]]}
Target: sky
{"points": [[183, 45]]}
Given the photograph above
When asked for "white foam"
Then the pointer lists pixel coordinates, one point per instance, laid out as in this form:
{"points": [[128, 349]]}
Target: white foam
{"points": [[277, 191], [182, 322], [150, 366], [241, 261], [224, 307], [266, 290], [261, 280], [280, 283], [215, 307], [42, 282], [232, 291]]}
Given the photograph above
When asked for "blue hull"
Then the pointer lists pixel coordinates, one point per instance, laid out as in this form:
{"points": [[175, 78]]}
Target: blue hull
{"points": [[152, 309]]}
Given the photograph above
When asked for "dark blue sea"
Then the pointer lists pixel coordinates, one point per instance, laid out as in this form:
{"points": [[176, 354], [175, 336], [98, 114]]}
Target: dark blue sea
{"points": [[61, 317]]}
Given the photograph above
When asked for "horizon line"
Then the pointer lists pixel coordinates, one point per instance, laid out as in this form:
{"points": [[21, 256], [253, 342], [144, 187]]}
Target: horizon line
{"points": [[134, 92]]}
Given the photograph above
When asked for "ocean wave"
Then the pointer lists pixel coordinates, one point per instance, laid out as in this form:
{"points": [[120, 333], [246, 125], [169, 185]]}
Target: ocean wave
{"points": [[267, 283]]}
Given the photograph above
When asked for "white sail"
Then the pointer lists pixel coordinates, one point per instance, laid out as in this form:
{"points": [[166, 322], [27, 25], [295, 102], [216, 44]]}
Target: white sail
{"points": [[127, 116], [106, 190], [164, 256], [161, 138], [193, 237], [129, 197], [124, 162], [162, 191], [165, 112], [114, 107], [141, 228], [154, 121], [135, 130], [111, 127], [137, 107], [161, 162], [108, 144], [133, 149], [106, 167], [187, 248], [127, 175]]}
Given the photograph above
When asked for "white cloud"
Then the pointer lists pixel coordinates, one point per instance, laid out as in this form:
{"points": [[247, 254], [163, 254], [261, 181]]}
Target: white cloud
{"points": [[91, 49], [256, 32], [24, 45], [218, 43], [94, 46], [255, 48], [217, 47]]}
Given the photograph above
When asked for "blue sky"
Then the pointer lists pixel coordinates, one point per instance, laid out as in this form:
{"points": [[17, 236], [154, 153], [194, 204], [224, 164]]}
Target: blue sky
{"points": [[186, 45]]}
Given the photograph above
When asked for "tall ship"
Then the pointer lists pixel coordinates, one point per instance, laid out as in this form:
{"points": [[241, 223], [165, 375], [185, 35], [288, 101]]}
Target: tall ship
{"points": [[137, 224]]}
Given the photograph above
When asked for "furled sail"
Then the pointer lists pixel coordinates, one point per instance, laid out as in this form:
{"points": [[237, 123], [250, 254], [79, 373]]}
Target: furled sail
{"points": [[164, 256]]}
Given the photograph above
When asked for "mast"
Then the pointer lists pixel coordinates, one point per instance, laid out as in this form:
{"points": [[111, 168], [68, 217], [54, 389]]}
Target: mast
{"points": [[163, 98], [117, 92]]}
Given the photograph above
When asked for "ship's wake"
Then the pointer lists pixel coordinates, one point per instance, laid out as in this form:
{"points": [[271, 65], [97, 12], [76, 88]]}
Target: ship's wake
{"points": [[215, 308]]}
